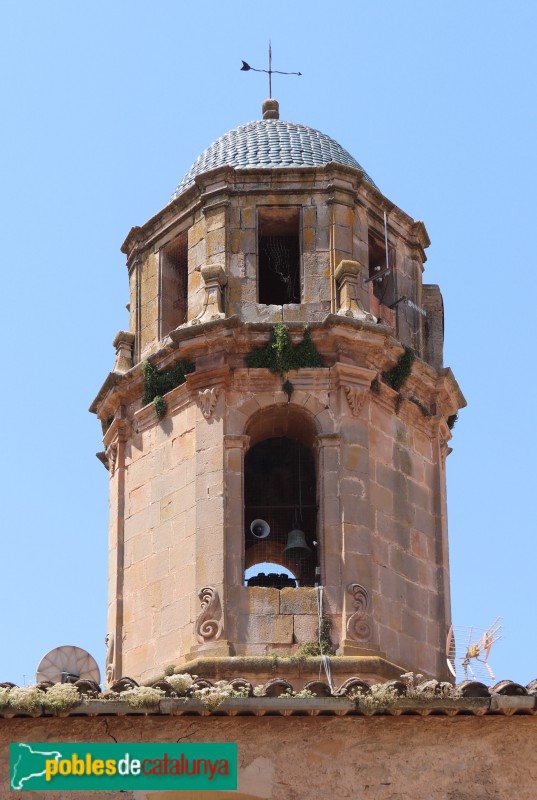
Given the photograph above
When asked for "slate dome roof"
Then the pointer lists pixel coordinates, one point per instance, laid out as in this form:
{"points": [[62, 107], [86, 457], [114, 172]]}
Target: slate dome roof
{"points": [[269, 143]]}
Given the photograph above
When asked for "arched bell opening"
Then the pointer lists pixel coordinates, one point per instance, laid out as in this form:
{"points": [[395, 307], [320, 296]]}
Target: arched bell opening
{"points": [[280, 511]]}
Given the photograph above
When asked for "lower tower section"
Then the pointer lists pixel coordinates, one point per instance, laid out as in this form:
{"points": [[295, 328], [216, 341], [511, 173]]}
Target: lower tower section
{"points": [[249, 510]]}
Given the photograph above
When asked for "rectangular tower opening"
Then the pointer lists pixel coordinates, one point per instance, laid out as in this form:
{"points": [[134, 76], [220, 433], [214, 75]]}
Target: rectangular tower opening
{"points": [[174, 284], [278, 249], [382, 287]]}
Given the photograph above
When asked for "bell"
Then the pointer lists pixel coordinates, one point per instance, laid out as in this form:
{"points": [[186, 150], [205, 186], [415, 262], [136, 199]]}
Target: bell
{"points": [[296, 548], [260, 529]]}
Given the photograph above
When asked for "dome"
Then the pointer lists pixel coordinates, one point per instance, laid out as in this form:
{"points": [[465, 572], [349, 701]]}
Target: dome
{"points": [[266, 144]]}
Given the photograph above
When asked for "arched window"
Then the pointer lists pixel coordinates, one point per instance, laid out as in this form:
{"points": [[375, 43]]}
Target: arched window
{"points": [[280, 513]]}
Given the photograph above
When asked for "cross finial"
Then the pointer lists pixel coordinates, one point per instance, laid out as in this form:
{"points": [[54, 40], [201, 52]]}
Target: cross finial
{"points": [[246, 67]]}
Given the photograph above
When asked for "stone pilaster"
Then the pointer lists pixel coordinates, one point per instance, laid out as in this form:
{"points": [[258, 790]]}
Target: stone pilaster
{"points": [[114, 441]]}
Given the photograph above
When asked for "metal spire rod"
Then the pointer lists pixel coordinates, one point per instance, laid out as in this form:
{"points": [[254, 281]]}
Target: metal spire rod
{"points": [[270, 72]]}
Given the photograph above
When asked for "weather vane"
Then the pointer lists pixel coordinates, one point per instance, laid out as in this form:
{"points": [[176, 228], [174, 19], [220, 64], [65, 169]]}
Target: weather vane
{"points": [[246, 67]]}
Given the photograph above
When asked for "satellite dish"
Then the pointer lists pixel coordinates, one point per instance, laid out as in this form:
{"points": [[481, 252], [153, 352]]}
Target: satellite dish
{"points": [[63, 664], [472, 663], [260, 529]]}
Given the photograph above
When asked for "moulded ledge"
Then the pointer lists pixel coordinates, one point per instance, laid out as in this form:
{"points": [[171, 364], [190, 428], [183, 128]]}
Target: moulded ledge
{"points": [[511, 704], [448, 705]]}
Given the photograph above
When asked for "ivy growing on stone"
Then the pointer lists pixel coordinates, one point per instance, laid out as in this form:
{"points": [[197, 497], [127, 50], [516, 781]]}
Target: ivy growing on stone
{"points": [[288, 388], [279, 355], [159, 404], [397, 376], [424, 410], [157, 384], [451, 420]]}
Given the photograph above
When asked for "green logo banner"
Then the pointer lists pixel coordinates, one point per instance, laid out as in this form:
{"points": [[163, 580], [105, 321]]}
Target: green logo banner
{"points": [[58, 765]]}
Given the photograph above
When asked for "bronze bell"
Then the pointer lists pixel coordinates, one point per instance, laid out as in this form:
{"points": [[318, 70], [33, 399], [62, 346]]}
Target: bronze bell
{"points": [[296, 548]]}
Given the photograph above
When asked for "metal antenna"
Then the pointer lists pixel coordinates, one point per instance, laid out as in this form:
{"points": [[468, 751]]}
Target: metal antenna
{"points": [[270, 72]]}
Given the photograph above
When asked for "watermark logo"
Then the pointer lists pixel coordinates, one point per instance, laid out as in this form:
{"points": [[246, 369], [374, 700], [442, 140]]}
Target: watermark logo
{"points": [[58, 765]]}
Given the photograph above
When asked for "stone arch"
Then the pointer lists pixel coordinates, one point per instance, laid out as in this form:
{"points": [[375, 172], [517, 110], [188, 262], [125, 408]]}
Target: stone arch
{"points": [[247, 412], [287, 419]]}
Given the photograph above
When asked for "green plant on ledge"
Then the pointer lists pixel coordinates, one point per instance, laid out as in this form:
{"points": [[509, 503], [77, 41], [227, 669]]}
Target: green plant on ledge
{"points": [[159, 404], [397, 376], [279, 355], [424, 410], [375, 386], [157, 384], [288, 388], [321, 647], [451, 420]]}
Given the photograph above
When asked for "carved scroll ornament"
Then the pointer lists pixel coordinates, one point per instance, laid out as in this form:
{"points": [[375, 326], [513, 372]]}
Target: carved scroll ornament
{"points": [[207, 400], [208, 625], [355, 399], [110, 658], [358, 627]]}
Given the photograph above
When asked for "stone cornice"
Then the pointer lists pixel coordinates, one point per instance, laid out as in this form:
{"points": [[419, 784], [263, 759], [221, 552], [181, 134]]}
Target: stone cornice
{"points": [[206, 378], [111, 381], [361, 347], [119, 431], [439, 394], [176, 398]]}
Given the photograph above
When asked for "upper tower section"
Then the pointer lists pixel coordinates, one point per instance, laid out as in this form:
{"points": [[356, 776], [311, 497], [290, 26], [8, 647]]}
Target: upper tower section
{"points": [[277, 222]]}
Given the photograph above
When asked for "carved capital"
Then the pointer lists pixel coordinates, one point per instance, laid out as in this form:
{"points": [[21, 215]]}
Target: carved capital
{"points": [[358, 627], [208, 625], [234, 441], [355, 399], [206, 400]]}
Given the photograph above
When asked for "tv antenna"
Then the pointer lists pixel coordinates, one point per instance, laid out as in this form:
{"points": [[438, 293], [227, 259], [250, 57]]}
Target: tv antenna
{"points": [[270, 72], [472, 661], [67, 664]]}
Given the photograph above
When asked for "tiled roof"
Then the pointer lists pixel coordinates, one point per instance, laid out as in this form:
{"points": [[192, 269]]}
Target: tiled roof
{"points": [[276, 697], [269, 143]]}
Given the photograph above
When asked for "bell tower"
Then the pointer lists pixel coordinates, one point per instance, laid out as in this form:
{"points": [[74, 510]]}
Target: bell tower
{"points": [[276, 424]]}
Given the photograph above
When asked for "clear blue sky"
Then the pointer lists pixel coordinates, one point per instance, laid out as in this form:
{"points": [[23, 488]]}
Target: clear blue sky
{"points": [[105, 106]]}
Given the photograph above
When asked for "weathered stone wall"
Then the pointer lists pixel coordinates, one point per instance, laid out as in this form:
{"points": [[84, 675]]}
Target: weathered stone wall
{"points": [[148, 302], [406, 473], [295, 758], [159, 576]]}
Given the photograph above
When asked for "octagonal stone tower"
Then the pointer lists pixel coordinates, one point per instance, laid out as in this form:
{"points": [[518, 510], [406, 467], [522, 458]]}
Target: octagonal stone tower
{"points": [[282, 377]]}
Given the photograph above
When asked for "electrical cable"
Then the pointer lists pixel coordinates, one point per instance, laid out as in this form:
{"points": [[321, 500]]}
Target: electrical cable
{"points": [[325, 658]]}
